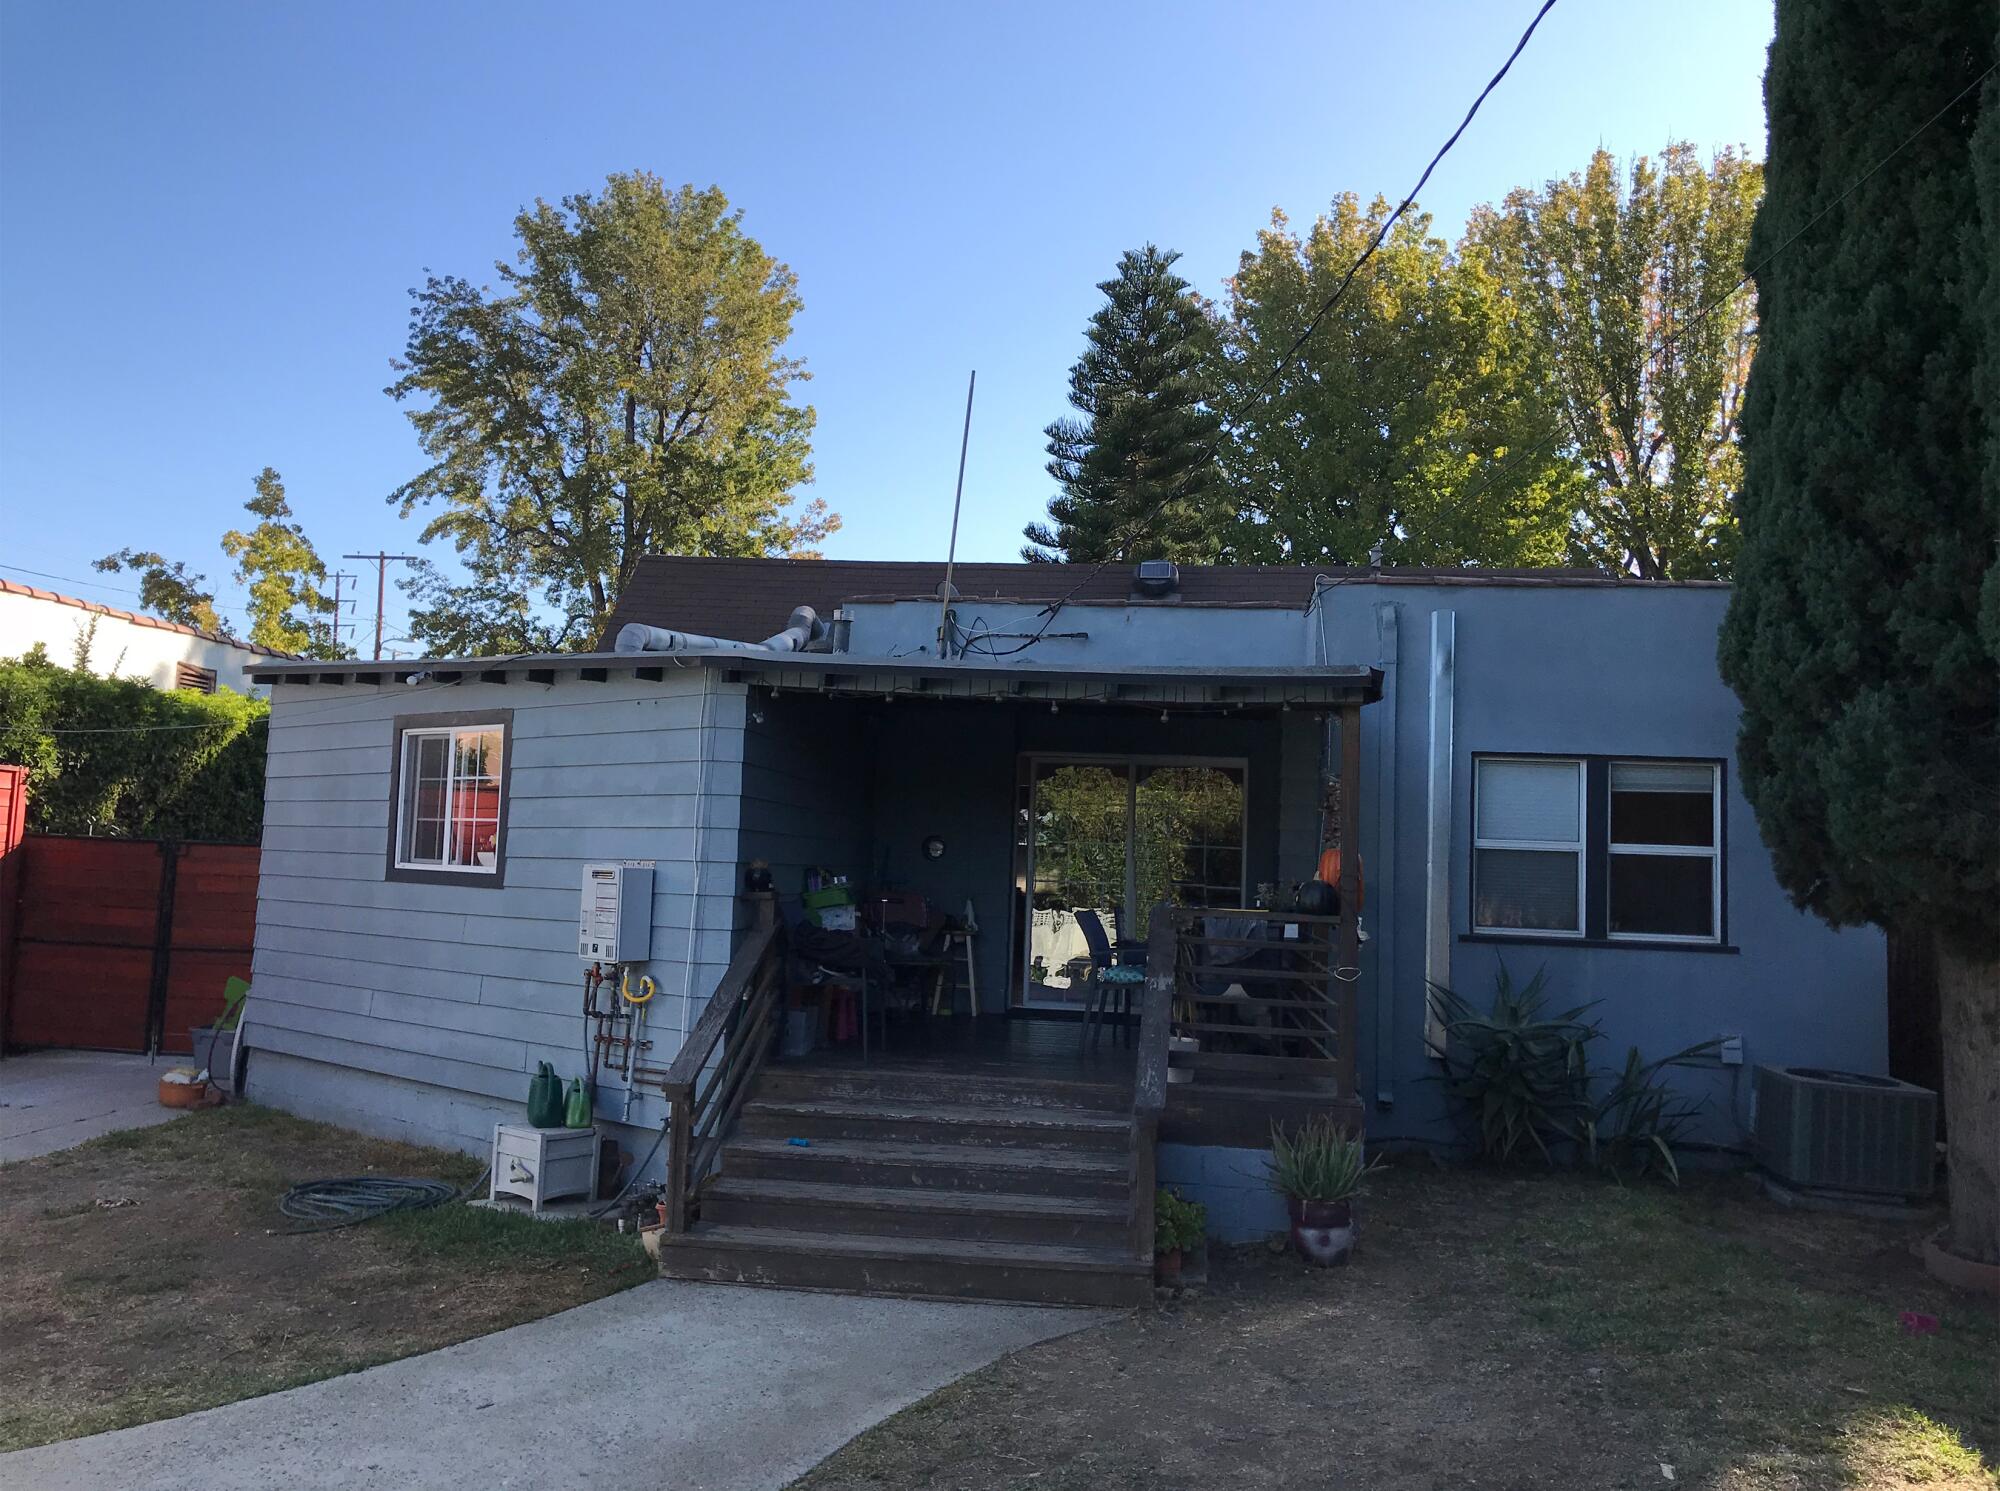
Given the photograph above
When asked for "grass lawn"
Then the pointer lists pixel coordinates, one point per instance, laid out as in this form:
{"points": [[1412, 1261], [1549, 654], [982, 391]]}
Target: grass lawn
{"points": [[149, 1273], [1499, 1331]]}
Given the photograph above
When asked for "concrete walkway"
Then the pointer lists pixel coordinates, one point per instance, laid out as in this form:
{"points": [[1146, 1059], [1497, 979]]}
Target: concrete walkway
{"points": [[694, 1386], [50, 1100]]}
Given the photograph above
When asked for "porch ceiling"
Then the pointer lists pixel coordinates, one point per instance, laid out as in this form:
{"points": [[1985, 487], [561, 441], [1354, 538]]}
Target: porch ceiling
{"points": [[867, 677]]}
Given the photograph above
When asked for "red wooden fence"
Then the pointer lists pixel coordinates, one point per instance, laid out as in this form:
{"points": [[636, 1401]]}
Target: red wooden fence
{"points": [[123, 944], [13, 825]]}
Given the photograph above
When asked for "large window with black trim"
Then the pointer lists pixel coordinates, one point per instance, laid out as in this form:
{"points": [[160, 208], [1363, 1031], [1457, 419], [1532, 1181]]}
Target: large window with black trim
{"points": [[1598, 848], [448, 819]]}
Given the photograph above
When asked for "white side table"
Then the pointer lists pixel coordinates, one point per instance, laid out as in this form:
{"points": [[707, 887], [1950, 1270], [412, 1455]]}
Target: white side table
{"points": [[542, 1165]]}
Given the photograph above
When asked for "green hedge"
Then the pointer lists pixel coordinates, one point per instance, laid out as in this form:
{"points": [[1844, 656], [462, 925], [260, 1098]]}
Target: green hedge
{"points": [[113, 757]]}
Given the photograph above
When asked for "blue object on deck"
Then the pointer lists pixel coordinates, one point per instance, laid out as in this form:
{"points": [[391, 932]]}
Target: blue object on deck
{"points": [[800, 1143]]}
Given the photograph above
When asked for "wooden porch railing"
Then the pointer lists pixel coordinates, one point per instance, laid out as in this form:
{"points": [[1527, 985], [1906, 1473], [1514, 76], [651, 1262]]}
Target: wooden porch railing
{"points": [[1149, 1078], [703, 1099], [1293, 1023]]}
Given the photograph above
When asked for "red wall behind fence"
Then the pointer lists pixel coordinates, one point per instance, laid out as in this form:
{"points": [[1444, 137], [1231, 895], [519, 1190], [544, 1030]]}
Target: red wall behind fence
{"points": [[114, 935]]}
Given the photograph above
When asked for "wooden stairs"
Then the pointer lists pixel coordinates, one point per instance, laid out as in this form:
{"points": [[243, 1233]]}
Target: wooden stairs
{"points": [[933, 1184]]}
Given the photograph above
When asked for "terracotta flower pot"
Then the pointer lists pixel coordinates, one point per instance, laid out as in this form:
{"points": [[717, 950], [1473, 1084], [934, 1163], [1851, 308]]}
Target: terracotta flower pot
{"points": [[1322, 1231], [1167, 1267]]}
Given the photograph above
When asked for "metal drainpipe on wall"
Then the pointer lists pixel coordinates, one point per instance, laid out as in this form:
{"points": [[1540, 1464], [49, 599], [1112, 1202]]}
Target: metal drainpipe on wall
{"points": [[1388, 652], [1437, 836], [694, 854]]}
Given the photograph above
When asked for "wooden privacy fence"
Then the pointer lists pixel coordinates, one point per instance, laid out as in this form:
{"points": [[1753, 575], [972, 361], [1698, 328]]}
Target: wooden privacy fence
{"points": [[122, 944]]}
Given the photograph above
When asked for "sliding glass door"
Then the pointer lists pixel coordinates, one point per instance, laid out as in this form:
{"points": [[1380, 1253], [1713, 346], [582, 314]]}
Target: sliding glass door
{"points": [[1115, 837]]}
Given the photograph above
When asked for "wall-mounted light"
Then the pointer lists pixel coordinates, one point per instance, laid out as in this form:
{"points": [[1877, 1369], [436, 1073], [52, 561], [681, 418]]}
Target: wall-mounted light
{"points": [[933, 847]]}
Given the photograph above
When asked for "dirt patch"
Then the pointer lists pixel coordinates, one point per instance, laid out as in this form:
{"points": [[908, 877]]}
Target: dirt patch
{"points": [[150, 1273], [1500, 1332]]}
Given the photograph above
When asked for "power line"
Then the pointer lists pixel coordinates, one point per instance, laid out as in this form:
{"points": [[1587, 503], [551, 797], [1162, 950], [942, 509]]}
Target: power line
{"points": [[101, 585], [1050, 613]]}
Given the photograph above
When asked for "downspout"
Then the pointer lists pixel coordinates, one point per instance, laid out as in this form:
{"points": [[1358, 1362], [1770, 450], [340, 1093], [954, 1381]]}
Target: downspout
{"points": [[694, 854], [1437, 836], [1383, 820]]}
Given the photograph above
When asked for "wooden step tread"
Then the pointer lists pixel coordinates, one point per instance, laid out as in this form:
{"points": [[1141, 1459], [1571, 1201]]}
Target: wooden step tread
{"points": [[964, 1156], [946, 1250], [901, 1198], [957, 1114]]}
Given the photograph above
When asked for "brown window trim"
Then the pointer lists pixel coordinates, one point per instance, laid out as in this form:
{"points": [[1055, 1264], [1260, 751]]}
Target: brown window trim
{"points": [[465, 879]]}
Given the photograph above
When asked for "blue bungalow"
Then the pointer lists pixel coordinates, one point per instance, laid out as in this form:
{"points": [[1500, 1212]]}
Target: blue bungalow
{"points": [[1000, 897]]}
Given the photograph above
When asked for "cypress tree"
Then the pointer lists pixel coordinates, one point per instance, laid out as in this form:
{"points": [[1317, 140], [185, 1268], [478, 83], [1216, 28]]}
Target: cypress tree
{"points": [[1870, 741], [1138, 471]]}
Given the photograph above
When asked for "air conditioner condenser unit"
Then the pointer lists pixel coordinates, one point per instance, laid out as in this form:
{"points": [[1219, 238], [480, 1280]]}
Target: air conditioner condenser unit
{"points": [[1846, 1131]]}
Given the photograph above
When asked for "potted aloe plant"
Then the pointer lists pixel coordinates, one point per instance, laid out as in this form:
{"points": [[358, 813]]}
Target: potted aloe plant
{"points": [[1178, 1226], [1319, 1170]]}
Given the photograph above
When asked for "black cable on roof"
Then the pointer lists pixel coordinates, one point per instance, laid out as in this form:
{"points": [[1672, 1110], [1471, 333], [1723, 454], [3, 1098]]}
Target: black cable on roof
{"points": [[1050, 613]]}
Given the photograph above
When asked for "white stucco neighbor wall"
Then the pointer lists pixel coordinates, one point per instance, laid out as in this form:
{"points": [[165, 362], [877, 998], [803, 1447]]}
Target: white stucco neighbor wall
{"points": [[124, 645]]}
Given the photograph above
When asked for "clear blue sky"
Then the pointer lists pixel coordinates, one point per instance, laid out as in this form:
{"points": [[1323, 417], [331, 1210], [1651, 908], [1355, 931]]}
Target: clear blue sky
{"points": [[210, 214]]}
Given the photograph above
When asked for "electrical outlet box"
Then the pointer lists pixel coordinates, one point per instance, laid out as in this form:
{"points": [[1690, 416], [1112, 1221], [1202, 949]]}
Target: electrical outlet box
{"points": [[616, 921], [1730, 1053]]}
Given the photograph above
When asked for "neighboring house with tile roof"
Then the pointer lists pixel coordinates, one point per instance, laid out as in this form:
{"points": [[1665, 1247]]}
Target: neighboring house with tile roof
{"points": [[127, 644], [1537, 768]]}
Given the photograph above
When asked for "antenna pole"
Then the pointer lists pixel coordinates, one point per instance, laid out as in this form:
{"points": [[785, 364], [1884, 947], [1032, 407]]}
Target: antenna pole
{"points": [[957, 496]]}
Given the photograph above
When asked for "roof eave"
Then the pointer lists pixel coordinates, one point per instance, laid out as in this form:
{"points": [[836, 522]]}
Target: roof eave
{"points": [[852, 674]]}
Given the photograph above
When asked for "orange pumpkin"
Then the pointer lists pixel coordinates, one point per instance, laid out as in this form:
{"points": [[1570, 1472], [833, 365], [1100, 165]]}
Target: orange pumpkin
{"points": [[1329, 871]]}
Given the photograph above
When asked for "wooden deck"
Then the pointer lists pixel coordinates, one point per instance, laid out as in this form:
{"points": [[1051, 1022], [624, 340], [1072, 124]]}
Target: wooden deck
{"points": [[1217, 1108], [1050, 1050], [990, 1158]]}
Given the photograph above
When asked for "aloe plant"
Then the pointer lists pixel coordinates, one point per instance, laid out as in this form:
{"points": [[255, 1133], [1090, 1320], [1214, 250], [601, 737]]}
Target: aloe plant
{"points": [[1522, 1078], [1317, 1162], [1523, 1075]]}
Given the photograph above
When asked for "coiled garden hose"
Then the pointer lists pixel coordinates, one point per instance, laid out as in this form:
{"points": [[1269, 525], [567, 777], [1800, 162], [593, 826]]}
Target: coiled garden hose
{"points": [[324, 1205]]}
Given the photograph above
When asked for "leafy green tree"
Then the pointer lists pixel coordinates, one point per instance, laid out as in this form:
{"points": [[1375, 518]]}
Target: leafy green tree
{"points": [[624, 392], [1418, 382], [1137, 472], [288, 609], [167, 589], [1614, 281], [1870, 678]]}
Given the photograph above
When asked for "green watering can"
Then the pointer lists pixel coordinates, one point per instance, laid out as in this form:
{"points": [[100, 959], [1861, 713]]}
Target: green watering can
{"points": [[577, 1106], [545, 1098]]}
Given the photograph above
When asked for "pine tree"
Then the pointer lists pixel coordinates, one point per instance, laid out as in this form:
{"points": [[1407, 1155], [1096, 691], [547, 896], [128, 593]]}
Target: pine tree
{"points": [[1138, 470], [1870, 740]]}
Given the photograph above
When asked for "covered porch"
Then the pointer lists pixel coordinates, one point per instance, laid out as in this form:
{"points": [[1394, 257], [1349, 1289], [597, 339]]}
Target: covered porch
{"points": [[997, 1132], [1034, 795]]}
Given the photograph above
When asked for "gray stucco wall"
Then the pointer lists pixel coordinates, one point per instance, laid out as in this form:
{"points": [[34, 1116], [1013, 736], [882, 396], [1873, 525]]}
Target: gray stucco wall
{"points": [[1583, 671], [421, 1010]]}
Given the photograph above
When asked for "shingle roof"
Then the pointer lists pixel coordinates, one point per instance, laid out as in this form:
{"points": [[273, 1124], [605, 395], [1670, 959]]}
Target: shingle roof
{"points": [[14, 587], [749, 599]]}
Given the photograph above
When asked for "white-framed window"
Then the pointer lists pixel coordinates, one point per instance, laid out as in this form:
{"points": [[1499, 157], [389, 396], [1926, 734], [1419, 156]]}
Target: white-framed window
{"points": [[449, 807], [1527, 845], [1664, 868]]}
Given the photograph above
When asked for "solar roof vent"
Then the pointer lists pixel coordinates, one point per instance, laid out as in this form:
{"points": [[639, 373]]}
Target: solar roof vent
{"points": [[1156, 578]]}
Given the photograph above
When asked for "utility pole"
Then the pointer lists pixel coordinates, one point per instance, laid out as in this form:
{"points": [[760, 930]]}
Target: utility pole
{"points": [[340, 622], [381, 562]]}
